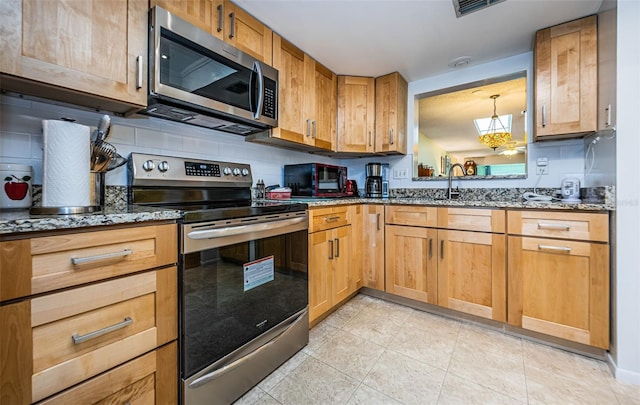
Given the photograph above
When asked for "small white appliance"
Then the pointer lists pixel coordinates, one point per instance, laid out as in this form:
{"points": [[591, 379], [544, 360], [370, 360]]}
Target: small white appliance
{"points": [[570, 189]]}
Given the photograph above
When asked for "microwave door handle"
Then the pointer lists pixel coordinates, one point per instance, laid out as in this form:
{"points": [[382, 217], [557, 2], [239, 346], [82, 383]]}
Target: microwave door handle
{"points": [[257, 70]]}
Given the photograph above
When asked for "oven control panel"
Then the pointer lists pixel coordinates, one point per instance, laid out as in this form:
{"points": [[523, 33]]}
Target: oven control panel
{"points": [[146, 169]]}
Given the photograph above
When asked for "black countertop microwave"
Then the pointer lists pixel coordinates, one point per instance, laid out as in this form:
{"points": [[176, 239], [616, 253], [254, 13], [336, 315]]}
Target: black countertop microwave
{"points": [[198, 79], [316, 180]]}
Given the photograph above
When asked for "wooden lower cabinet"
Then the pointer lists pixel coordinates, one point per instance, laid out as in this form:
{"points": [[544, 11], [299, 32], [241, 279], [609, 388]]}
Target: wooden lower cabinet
{"points": [[52, 342], [560, 288], [411, 262], [148, 379], [329, 269], [471, 273], [372, 254], [90, 317]]}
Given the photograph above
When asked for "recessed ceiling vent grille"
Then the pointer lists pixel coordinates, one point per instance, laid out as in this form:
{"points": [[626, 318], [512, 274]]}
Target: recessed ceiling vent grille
{"points": [[464, 7]]}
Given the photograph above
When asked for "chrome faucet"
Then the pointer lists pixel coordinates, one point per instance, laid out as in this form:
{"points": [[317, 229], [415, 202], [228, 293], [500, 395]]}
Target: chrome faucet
{"points": [[451, 192]]}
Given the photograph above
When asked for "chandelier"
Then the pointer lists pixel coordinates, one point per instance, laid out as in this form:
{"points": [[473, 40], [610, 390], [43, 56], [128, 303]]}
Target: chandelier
{"points": [[496, 133]]}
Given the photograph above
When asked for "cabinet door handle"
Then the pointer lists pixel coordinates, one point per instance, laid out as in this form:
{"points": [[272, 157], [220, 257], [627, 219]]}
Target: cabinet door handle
{"points": [[331, 219], [430, 248], [378, 222], [232, 16], [608, 123], [89, 259], [138, 72], [337, 247], [442, 249], [313, 124], [544, 115], [554, 248], [391, 136], [220, 17], [370, 138], [308, 127], [330, 249], [77, 339], [556, 227]]}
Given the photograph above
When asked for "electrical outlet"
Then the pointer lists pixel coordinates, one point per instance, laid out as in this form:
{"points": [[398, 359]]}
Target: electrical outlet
{"points": [[542, 170], [402, 173]]}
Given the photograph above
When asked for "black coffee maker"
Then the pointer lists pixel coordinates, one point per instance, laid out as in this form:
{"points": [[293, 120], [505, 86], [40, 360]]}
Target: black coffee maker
{"points": [[373, 183]]}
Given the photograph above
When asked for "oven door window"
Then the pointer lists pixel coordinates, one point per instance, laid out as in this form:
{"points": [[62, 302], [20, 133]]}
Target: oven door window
{"points": [[220, 313]]}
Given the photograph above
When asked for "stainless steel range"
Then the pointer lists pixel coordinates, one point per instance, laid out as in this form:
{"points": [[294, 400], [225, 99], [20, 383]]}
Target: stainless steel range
{"points": [[243, 280]]}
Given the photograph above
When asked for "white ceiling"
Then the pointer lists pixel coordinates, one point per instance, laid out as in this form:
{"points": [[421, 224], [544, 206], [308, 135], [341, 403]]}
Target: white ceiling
{"points": [[417, 38]]}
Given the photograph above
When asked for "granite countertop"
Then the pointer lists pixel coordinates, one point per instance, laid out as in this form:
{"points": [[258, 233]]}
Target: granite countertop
{"points": [[327, 202], [20, 221]]}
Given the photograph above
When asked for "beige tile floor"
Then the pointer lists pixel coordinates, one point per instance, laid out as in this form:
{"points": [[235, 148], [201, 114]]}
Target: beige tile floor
{"points": [[374, 352]]}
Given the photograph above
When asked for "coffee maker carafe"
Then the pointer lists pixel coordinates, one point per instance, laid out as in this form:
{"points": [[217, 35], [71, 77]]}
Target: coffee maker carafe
{"points": [[376, 173]]}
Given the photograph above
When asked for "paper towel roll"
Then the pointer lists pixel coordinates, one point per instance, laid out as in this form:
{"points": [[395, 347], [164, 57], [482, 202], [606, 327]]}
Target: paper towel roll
{"points": [[66, 160]]}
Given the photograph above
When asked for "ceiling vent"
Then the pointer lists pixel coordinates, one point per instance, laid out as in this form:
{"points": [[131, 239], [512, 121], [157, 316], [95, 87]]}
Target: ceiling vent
{"points": [[464, 7]]}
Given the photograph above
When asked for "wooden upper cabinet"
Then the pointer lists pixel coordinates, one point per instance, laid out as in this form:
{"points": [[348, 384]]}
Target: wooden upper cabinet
{"points": [[226, 21], [607, 54], [204, 14], [391, 114], [93, 53], [290, 62], [307, 98], [323, 107], [356, 114], [246, 33], [566, 81]]}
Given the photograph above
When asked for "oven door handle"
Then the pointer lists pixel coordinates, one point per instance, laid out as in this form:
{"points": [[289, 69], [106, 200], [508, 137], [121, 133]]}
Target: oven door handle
{"points": [[237, 230], [228, 367]]}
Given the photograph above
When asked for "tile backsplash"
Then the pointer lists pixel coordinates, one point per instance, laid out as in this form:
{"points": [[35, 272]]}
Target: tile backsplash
{"points": [[21, 140]]}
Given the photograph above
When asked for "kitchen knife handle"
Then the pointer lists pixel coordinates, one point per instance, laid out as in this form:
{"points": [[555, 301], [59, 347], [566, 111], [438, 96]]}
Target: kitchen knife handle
{"points": [[330, 249], [337, 247], [544, 115], [138, 72], [232, 16], [220, 17]]}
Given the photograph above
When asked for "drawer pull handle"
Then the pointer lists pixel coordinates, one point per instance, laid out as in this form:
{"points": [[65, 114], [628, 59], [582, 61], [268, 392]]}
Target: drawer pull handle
{"points": [[77, 339], [331, 219], [89, 259], [555, 248], [557, 227]]}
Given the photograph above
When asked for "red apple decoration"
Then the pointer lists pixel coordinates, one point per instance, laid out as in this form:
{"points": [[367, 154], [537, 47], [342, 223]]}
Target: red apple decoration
{"points": [[16, 190]]}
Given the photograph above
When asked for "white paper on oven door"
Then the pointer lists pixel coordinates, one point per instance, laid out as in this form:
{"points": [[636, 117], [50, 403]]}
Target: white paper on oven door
{"points": [[258, 272]]}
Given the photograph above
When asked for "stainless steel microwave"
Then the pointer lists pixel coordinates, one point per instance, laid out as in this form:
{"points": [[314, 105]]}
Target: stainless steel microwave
{"points": [[198, 79]]}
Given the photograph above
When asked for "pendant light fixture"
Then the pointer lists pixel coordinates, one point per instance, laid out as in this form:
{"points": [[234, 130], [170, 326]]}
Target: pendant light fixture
{"points": [[496, 134]]}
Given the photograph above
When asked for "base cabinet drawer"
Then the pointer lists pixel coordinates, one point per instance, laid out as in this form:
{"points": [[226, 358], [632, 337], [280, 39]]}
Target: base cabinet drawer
{"points": [[48, 263], [148, 379], [560, 288], [55, 341]]}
